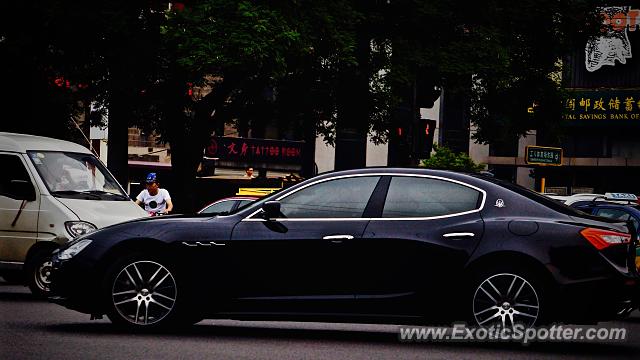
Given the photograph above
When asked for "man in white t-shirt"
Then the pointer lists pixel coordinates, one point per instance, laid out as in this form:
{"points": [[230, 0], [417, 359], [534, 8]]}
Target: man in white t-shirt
{"points": [[155, 199]]}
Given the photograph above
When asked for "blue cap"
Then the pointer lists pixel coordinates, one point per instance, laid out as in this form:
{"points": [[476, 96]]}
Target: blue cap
{"points": [[151, 178]]}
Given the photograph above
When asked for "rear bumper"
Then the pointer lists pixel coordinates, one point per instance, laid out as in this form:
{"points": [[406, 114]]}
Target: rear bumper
{"points": [[596, 300]]}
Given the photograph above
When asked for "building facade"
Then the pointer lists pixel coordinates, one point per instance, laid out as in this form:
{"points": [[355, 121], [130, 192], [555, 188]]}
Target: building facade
{"points": [[601, 140]]}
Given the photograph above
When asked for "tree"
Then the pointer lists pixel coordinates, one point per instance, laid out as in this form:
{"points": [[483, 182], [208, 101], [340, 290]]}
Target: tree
{"points": [[445, 159], [338, 68]]}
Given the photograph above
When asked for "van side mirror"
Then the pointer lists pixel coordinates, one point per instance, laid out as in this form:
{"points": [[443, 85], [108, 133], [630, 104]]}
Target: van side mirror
{"points": [[271, 209], [22, 190]]}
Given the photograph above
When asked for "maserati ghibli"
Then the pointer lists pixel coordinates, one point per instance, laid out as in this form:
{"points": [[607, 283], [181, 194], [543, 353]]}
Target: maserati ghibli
{"points": [[379, 245]]}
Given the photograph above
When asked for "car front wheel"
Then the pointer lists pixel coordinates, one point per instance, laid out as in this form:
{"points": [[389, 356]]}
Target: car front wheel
{"points": [[143, 293]]}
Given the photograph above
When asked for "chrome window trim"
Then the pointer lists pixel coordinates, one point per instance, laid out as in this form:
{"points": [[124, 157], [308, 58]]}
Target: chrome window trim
{"points": [[482, 203]]}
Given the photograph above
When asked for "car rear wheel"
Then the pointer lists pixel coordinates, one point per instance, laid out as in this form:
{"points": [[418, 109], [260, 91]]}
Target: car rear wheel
{"points": [[507, 298], [142, 293]]}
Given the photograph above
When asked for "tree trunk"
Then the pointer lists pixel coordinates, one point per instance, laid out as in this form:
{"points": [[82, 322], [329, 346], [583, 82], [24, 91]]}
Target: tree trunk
{"points": [[309, 148], [354, 110], [188, 137], [119, 115]]}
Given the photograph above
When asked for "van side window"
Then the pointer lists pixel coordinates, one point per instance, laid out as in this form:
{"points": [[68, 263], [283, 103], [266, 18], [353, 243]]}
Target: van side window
{"points": [[12, 169]]}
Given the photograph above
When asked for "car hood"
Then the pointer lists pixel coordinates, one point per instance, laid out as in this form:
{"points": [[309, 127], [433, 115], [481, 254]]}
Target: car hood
{"points": [[103, 213]]}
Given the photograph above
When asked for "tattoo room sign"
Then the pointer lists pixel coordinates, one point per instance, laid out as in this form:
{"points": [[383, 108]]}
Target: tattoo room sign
{"points": [[255, 150]]}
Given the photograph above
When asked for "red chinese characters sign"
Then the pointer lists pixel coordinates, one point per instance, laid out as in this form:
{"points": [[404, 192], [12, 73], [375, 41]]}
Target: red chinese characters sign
{"points": [[255, 150]]}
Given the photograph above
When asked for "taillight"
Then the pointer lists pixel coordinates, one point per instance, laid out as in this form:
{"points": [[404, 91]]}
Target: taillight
{"points": [[604, 238]]}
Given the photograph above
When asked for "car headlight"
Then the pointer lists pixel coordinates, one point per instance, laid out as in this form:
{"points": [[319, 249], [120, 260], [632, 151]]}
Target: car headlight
{"points": [[74, 249], [79, 228]]}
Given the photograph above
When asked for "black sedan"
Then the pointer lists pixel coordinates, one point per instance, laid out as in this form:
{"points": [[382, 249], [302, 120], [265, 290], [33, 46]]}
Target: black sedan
{"points": [[368, 245]]}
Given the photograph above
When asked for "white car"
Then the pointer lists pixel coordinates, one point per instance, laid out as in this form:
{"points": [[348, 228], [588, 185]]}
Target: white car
{"points": [[51, 191], [618, 198]]}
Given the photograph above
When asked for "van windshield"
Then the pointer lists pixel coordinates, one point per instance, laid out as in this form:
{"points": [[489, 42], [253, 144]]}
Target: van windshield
{"points": [[75, 175]]}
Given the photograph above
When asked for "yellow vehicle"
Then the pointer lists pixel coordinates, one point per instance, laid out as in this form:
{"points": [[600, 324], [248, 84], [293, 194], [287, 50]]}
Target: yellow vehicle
{"points": [[256, 191]]}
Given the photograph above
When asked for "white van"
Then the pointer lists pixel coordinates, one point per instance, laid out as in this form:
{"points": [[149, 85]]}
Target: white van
{"points": [[50, 192]]}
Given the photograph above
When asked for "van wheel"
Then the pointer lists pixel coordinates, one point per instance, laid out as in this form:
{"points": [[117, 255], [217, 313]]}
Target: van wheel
{"points": [[38, 272]]}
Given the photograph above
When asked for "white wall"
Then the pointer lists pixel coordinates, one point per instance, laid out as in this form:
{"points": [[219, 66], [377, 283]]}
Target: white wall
{"points": [[522, 174], [325, 156], [376, 154]]}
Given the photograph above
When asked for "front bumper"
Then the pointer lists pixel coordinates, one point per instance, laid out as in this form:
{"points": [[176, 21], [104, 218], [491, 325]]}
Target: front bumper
{"points": [[74, 286]]}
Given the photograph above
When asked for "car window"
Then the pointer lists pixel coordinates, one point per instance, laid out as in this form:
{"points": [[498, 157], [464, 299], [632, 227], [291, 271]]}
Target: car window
{"points": [[616, 214], [426, 197], [339, 198], [243, 203], [223, 206], [532, 195], [12, 169]]}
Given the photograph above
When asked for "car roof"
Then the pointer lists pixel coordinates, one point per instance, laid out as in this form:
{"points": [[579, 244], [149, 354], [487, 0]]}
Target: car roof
{"points": [[21, 143], [394, 170]]}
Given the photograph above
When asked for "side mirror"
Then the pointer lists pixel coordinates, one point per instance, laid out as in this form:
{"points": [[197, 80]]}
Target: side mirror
{"points": [[22, 190], [271, 209]]}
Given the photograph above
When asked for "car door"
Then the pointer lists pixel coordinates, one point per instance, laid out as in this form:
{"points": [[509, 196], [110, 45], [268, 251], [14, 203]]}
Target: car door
{"points": [[302, 260], [18, 218], [412, 252]]}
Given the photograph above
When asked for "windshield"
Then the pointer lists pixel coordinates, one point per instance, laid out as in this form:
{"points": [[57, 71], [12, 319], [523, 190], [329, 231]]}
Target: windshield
{"points": [[75, 175]]}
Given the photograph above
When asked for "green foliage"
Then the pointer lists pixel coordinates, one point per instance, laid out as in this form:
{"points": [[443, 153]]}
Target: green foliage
{"points": [[445, 159], [290, 60]]}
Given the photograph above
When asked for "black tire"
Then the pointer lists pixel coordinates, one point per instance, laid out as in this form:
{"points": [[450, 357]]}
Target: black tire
{"points": [[143, 292], [37, 272], [505, 296]]}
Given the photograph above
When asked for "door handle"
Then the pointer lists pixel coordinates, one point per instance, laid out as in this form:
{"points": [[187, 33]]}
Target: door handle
{"points": [[198, 243], [337, 239], [459, 235]]}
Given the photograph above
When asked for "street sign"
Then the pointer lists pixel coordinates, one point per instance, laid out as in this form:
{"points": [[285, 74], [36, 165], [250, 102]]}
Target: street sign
{"points": [[542, 155]]}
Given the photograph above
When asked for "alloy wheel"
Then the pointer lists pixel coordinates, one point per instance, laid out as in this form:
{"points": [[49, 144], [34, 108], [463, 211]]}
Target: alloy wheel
{"points": [[505, 300], [144, 292]]}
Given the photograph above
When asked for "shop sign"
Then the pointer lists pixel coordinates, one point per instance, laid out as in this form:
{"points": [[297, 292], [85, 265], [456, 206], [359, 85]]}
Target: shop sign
{"points": [[255, 150], [602, 105], [614, 43]]}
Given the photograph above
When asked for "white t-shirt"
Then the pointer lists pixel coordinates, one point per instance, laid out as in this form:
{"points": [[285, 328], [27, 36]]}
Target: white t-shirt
{"points": [[155, 203]]}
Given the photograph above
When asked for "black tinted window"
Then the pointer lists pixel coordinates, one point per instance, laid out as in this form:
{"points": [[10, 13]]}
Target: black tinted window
{"points": [[244, 203], [340, 198], [12, 169], [224, 206], [426, 197], [615, 214], [534, 196]]}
